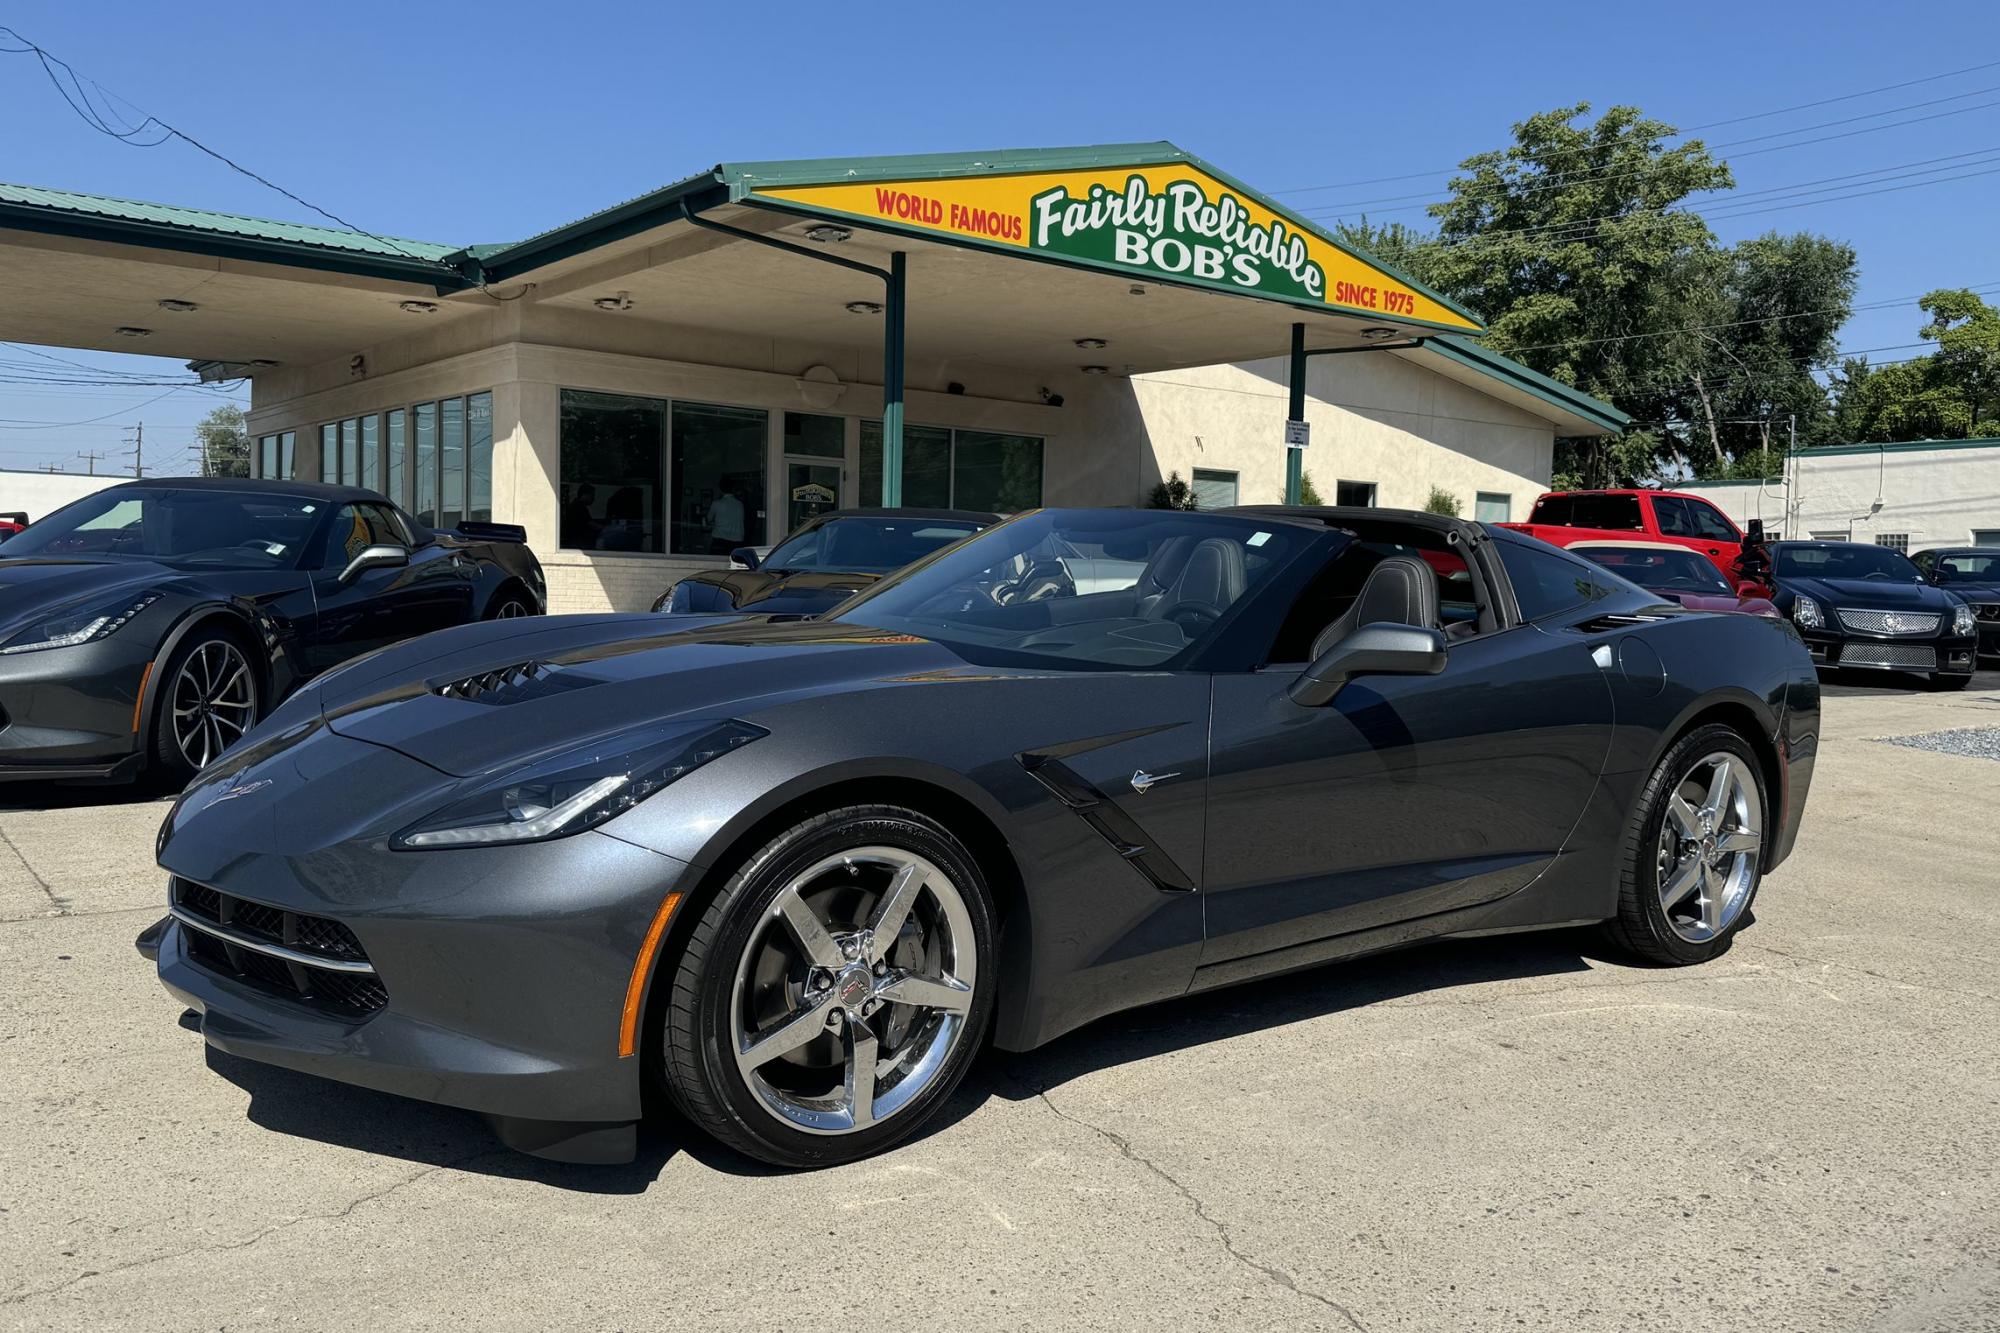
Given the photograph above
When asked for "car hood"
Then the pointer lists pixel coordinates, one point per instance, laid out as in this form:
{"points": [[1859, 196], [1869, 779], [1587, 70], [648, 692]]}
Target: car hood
{"points": [[1974, 592], [775, 591], [487, 698], [1874, 594], [33, 588]]}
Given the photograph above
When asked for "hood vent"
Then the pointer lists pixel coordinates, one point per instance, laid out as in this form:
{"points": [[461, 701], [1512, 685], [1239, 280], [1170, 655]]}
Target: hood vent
{"points": [[517, 683]]}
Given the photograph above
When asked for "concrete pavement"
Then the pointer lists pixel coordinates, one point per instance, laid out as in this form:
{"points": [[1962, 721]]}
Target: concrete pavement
{"points": [[1523, 1132]]}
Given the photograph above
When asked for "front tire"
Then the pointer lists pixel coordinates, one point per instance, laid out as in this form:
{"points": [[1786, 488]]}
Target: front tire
{"points": [[835, 991], [207, 697], [1694, 851], [1941, 681]]}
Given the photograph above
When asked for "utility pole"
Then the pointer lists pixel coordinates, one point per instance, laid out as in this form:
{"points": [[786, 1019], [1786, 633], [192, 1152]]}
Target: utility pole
{"points": [[139, 450], [91, 457], [52, 467]]}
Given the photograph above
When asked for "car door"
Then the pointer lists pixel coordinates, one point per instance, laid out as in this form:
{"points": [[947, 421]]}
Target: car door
{"points": [[1405, 796], [1699, 526], [378, 607]]}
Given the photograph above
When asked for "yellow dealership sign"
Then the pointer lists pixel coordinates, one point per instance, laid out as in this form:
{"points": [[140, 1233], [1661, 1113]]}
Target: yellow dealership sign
{"points": [[1170, 221]]}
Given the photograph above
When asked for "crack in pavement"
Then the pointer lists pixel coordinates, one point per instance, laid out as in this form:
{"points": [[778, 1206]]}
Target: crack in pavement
{"points": [[1870, 972], [1271, 1272], [61, 904], [21, 1298]]}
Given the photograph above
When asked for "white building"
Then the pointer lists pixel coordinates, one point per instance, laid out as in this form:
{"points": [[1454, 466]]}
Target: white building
{"points": [[709, 364], [36, 494], [1909, 496]]}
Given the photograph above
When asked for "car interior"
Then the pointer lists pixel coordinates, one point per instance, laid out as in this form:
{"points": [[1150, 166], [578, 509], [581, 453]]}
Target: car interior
{"points": [[1393, 573]]}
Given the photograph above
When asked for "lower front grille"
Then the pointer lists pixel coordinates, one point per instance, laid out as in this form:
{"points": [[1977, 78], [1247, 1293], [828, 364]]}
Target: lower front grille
{"points": [[1900, 656], [313, 960]]}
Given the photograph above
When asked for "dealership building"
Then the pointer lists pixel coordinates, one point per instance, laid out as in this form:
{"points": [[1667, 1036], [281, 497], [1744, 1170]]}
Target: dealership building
{"points": [[707, 365], [1907, 496]]}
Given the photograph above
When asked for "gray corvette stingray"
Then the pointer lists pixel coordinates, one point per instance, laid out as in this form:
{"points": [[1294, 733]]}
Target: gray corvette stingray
{"points": [[798, 871]]}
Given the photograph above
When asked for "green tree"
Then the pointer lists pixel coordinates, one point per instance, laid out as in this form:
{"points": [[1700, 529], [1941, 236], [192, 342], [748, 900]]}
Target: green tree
{"points": [[1173, 493], [224, 445], [1441, 501], [1951, 393], [1308, 493]]}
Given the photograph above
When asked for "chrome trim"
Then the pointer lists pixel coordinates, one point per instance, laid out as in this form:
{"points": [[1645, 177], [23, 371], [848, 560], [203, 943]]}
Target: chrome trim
{"points": [[1872, 621], [279, 951]]}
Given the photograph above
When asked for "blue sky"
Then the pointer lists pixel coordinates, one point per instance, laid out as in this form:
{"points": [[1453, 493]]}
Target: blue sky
{"points": [[466, 123]]}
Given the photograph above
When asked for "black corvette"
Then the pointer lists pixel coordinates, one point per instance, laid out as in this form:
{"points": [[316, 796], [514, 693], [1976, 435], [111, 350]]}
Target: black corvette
{"points": [[149, 625], [1869, 607], [1971, 573], [795, 872], [823, 563]]}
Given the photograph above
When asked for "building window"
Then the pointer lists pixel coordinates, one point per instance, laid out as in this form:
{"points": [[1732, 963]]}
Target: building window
{"points": [[810, 436], [423, 490], [717, 476], [275, 456], [614, 455], [1895, 541], [1354, 494], [1840, 536], [1986, 536], [479, 457], [1492, 506], [447, 481], [1214, 489], [963, 469], [329, 452], [371, 452], [396, 431]]}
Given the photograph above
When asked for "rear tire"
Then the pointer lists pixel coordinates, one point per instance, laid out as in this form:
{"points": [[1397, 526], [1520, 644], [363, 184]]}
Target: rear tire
{"points": [[800, 1028], [509, 606], [1686, 889]]}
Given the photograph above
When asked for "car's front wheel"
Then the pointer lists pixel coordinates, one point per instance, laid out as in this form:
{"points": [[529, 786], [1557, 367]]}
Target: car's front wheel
{"points": [[208, 696], [835, 991], [1941, 681], [1694, 851]]}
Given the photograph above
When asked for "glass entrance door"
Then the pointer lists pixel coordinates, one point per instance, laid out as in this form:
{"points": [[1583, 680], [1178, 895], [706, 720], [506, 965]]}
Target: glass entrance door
{"points": [[810, 489]]}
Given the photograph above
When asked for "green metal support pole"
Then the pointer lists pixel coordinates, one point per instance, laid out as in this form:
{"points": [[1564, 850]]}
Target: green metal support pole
{"points": [[1295, 459], [892, 387]]}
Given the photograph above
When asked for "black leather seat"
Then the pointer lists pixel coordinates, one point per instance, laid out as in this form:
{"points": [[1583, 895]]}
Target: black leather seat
{"points": [[1399, 591], [1212, 576]]}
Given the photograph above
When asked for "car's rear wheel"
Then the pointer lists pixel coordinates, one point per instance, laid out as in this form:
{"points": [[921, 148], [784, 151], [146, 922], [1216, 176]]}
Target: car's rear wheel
{"points": [[511, 606], [836, 990], [1694, 851], [207, 697]]}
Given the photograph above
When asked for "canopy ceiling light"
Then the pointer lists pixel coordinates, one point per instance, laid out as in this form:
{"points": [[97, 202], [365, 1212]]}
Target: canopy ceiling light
{"points": [[826, 233], [133, 331], [615, 301], [864, 307], [1378, 332], [179, 307], [1090, 344], [418, 307], [1097, 370]]}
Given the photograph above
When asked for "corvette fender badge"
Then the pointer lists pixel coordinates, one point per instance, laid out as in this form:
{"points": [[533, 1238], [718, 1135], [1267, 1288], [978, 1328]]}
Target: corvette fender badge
{"points": [[1142, 781]]}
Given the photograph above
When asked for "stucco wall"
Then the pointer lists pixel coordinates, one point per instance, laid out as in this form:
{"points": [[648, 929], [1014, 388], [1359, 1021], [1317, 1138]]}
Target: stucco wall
{"points": [[1932, 496], [39, 493]]}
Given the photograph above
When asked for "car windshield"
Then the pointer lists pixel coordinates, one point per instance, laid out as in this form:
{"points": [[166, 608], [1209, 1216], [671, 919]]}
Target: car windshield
{"points": [[1970, 566], [1845, 561], [1091, 588], [1659, 569], [866, 544], [192, 528]]}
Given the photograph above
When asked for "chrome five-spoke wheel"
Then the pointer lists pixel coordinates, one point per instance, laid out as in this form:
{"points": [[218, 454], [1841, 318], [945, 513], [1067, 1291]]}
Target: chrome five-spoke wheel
{"points": [[1709, 847], [213, 699], [853, 991]]}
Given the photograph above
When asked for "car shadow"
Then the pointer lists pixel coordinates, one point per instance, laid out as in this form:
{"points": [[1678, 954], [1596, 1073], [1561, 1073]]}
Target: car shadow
{"points": [[287, 1102], [43, 795]]}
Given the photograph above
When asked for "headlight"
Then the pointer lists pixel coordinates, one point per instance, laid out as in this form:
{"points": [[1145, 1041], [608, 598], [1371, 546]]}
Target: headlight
{"points": [[1807, 613], [574, 791], [73, 628], [1962, 622]]}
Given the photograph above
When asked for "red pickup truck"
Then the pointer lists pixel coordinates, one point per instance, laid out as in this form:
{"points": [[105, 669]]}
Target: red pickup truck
{"points": [[1562, 518]]}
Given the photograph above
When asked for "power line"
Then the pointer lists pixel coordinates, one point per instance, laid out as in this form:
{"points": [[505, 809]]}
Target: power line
{"points": [[18, 424], [1982, 290], [1692, 129]]}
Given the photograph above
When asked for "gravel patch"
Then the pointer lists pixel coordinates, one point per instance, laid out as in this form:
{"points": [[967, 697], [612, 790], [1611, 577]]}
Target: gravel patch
{"points": [[1973, 742]]}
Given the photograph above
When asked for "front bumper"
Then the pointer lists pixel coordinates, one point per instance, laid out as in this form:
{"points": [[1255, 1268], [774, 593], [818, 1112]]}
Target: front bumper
{"points": [[505, 968], [72, 712], [1848, 651]]}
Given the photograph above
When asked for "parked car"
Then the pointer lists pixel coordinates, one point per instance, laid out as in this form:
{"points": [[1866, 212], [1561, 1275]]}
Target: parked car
{"points": [[1564, 518], [794, 871], [823, 563], [149, 625], [1862, 606], [1676, 573], [12, 522], [1973, 574]]}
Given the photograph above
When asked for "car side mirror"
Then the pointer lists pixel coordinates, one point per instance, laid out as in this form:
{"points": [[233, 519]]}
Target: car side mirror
{"points": [[1937, 577], [384, 556], [1753, 532], [745, 556], [1372, 650]]}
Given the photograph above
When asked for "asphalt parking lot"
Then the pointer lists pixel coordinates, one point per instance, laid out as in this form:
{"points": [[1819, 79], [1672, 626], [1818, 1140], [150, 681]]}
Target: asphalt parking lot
{"points": [[1523, 1132]]}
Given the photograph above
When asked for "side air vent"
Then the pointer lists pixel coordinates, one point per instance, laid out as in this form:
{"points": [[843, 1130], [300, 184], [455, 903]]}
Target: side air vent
{"points": [[1109, 820]]}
